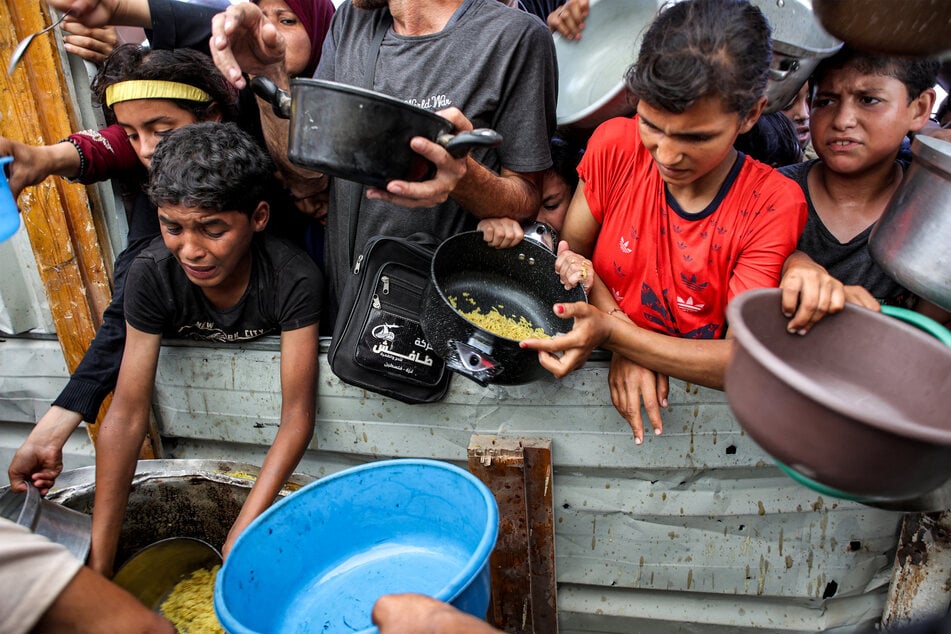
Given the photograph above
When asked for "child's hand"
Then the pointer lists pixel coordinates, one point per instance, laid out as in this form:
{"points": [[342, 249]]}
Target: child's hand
{"points": [[501, 233], [632, 384], [574, 269], [810, 293]]}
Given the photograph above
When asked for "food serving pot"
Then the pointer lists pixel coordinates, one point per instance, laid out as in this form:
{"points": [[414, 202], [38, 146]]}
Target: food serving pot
{"points": [[799, 44], [521, 280], [859, 404], [151, 574], [172, 499], [362, 135], [910, 241]]}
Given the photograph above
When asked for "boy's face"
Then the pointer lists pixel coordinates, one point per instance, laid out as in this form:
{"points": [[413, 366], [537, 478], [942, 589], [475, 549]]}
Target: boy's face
{"points": [[213, 248], [858, 120]]}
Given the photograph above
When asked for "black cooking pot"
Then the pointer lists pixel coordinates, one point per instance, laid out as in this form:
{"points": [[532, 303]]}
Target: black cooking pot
{"points": [[522, 280], [362, 135]]}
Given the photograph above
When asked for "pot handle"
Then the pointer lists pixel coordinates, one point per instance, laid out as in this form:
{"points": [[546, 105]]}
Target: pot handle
{"points": [[279, 99], [780, 74], [542, 233], [458, 144], [471, 360]]}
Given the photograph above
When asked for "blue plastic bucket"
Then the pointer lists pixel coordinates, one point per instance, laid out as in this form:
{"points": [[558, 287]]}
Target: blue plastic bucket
{"points": [[9, 214], [318, 560]]}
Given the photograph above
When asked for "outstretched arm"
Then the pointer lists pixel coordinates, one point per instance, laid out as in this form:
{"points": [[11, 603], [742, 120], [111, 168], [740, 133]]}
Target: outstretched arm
{"points": [[93, 13], [120, 439], [299, 350], [701, 361]]}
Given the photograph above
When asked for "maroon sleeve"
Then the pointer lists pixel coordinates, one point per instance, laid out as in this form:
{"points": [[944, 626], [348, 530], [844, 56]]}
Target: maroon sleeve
{"points": [[104, 154]]}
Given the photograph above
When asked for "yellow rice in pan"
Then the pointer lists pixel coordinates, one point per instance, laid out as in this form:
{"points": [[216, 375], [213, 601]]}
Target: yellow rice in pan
{"points": [[515, 327], [190, 605]]}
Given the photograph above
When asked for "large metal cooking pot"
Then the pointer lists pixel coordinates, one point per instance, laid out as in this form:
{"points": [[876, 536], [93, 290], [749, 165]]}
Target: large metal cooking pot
{"points": [[910, 27], [910, 241], [172, 498], [799, 44], [362, 135], [521, 279]]}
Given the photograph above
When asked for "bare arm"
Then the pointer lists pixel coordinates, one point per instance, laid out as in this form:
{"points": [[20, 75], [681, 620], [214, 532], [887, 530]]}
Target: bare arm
{"points": [[419, 614], [701, 361], [580, 230], [120, 439], [299, 350], [476, 188], [40, 458], [91, 604], [93, 13], [33, 163]]}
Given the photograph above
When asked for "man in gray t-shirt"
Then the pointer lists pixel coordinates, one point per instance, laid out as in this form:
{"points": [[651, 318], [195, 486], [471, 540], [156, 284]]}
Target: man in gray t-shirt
{"points": [[491, 65]]}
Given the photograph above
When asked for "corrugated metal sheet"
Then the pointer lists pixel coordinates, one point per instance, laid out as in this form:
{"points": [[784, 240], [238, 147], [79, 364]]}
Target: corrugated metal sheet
{"points": [[694, 531]]}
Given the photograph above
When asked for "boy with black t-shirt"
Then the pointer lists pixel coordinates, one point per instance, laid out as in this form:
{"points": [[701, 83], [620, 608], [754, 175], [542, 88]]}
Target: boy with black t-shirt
{"points": [[863, 105], [213, 276]]}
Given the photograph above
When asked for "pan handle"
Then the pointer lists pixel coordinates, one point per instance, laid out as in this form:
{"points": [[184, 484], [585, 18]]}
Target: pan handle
{"points": [[458, 144], [267, 90], [471, 360]]}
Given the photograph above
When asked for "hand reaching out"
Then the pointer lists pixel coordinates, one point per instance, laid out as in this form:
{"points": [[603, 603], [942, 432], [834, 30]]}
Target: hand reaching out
{"points": [[631, 385]]}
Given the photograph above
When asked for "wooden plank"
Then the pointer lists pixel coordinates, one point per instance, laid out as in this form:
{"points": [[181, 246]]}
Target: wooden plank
{"points": [[58, 216], [518, 471]]}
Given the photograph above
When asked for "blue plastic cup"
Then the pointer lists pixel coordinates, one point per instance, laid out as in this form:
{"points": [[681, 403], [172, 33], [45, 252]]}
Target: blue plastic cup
{"points": [[9, 214]]}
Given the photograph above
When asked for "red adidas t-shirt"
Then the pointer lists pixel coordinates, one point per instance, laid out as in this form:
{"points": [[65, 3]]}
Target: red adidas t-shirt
{"points": [[674, 272]]}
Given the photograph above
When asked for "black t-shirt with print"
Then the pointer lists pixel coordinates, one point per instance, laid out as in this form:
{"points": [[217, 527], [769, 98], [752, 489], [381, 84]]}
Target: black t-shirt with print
{"points": [[284, 293]]}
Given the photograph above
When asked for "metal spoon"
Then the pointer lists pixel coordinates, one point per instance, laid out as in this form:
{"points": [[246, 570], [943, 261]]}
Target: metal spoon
{"points": [[25, 43]]}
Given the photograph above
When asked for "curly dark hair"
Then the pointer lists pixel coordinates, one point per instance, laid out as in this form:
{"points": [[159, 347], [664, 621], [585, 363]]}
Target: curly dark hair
{"points": [[917, 73], [212, 166], [131, 61], [699, 48]]}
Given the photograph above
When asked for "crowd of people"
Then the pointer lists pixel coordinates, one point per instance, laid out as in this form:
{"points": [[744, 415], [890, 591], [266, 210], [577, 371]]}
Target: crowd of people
{"points": [[664, 216]]}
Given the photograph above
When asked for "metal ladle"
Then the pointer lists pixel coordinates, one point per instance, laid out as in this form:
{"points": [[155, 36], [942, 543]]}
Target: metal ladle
{"points": [[25, 43]]}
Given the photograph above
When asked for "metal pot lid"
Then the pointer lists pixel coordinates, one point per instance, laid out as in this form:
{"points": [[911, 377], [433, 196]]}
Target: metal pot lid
{"points": [[933, 151]]}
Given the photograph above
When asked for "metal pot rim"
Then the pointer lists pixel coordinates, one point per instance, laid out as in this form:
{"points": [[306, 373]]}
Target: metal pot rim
{"points": [[934, 151], [372, 95]]}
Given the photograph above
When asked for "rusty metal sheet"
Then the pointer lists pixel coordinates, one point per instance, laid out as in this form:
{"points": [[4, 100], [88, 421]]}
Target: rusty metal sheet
{"points": [[518, 471]]}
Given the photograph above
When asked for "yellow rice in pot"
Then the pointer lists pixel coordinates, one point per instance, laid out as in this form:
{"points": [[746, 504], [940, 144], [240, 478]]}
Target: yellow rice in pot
{"points": [[190, 605], [515, 327]]}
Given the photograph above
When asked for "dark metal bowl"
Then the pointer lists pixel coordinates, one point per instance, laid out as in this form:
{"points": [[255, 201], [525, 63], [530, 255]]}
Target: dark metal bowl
{"points": [[859, 404]]}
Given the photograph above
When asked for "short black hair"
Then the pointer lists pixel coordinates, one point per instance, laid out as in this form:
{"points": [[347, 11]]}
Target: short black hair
{"points": [[916, 73], [211, 166], [565, 156], [772, 140], [699, 48]]}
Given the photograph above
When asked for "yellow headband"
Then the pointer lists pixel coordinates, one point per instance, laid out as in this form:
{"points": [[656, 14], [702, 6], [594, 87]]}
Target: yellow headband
{"points": [[153, 89]]}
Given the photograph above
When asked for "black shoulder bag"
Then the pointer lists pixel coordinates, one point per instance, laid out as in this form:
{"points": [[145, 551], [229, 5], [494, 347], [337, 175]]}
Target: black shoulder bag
{"points": [[378, 343]]}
